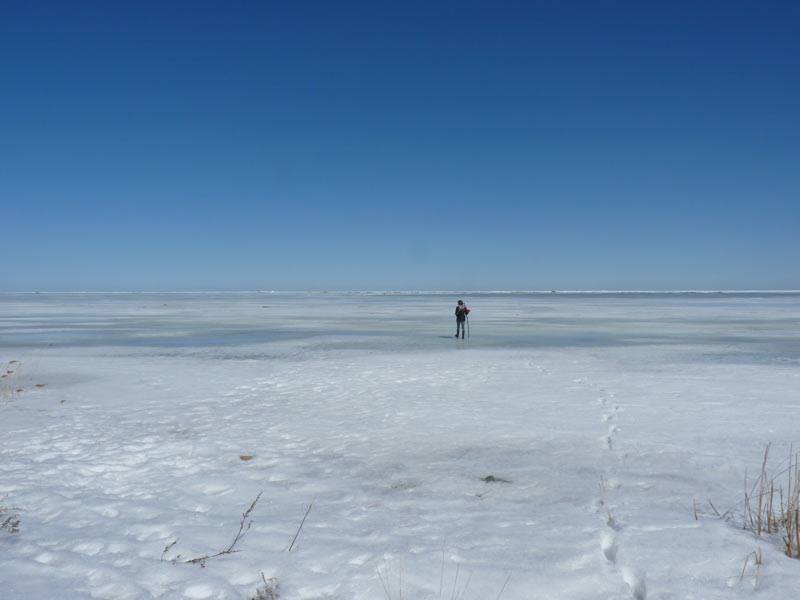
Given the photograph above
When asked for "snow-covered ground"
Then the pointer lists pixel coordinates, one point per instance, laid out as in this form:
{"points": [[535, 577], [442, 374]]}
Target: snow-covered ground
{"points": [[601, 419]]}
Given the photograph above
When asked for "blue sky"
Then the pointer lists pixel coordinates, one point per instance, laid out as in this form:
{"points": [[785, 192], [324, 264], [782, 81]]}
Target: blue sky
{"points": [[400, 145]]}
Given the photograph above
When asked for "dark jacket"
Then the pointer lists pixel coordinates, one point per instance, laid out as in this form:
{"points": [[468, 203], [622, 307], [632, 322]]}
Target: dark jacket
{"points": [[461, 312]]}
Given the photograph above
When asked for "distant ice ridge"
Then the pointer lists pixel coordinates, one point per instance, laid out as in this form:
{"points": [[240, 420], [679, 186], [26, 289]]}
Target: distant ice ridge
{"points": [[402, 292], [552, 292]]}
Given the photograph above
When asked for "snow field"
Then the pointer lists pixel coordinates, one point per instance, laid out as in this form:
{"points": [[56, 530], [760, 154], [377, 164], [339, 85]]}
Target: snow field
{"points": [[444, 470]]}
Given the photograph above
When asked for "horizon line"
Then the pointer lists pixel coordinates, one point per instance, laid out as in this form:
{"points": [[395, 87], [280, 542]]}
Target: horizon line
{"points": [[411, 292]]}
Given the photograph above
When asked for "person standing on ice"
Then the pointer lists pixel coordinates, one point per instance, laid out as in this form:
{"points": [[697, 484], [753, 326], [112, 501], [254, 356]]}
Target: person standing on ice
{"points": [[461, 316]]}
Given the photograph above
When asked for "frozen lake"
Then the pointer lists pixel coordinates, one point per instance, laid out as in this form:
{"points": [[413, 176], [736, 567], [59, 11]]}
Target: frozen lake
{"points": [[745, 327], [598, 419]]}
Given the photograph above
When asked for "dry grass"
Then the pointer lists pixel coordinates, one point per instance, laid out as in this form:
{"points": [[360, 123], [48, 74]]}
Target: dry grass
{"points": [[244, 526], [270, 590], [758, 560], [300, 528], [772, 502], [9, 520]]}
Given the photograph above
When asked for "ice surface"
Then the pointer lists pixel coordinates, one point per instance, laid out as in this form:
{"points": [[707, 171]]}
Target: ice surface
{"points": [[562, 445]]}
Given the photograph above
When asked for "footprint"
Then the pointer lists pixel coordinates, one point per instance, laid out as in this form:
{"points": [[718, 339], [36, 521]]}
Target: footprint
{"points": [[608, 545], [612, 523], [636, 582]]}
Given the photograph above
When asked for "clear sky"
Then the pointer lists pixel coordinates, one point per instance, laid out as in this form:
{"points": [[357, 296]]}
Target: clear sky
{"points": [[399, 145]]}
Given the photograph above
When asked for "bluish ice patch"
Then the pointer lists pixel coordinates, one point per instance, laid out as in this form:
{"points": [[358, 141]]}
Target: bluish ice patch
{"points": [[729, 327]]}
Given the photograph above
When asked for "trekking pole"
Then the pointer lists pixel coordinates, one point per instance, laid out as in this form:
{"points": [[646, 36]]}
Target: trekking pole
{"points": [[467, 327]]}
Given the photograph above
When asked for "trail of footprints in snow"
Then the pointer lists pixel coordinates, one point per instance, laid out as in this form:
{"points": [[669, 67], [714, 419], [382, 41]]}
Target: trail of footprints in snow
{"points": [[609, 543]]}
